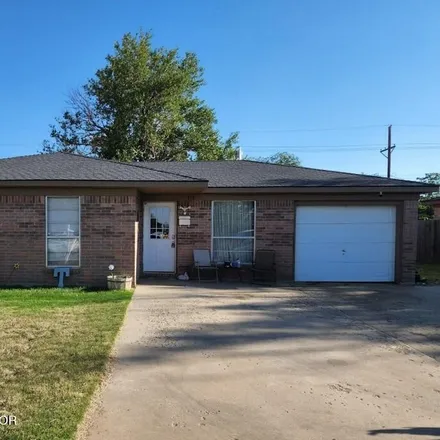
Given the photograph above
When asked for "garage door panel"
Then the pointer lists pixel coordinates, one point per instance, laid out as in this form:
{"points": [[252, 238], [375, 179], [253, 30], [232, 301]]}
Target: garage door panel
{"points": [[333, 252], [354, 272], [343, 243], [370, 252], [351, 214], [355, 233]]}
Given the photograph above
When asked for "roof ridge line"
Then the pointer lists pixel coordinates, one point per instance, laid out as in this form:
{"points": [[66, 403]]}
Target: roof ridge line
{"points": [[21, 157], [127, 164]]}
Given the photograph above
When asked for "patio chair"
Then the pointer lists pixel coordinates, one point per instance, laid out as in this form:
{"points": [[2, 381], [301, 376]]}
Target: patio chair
{"points": [[264, 269], [203, 262]]}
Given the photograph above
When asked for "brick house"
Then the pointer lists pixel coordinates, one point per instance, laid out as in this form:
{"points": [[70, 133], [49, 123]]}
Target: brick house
{"points": [[85, 213]]}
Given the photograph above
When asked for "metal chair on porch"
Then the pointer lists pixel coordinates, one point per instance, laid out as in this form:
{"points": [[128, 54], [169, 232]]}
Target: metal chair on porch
{"points": [[203, 262], [264, 268]]}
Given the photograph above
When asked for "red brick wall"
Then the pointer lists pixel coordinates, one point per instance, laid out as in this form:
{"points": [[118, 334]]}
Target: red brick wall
{"points": [[275, 231], [195, 236], [409, 241], [22, 239], [108, 234]]}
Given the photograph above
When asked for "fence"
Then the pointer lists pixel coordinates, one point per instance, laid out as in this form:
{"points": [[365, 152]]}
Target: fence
{"points": [[428, 241]]}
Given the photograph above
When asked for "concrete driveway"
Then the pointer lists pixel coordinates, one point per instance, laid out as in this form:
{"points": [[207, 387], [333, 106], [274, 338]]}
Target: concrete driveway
{"points": [[251, 363]]}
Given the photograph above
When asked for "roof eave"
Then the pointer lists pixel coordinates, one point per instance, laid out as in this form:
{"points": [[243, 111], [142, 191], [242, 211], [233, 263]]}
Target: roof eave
{"points": [[325, 189], [153, 185]]}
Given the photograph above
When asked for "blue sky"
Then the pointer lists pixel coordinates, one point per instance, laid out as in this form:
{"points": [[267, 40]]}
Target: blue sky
{"points": [[276, 71]]}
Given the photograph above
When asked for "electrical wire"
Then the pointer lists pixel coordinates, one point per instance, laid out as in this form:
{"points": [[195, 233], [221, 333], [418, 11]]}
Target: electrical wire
{"points": [[433, 144], [356, 127], [317, 149], [329, 148], [417, 125]]}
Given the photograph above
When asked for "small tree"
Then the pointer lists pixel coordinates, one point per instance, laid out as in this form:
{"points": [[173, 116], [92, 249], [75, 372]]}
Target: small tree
{"points": [[283, 158], [426, 211], [142, 105], [432, 179]]}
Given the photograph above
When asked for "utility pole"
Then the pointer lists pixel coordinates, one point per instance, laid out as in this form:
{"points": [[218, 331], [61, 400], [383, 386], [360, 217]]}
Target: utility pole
{"points": [[389, 150], [389, 153]]}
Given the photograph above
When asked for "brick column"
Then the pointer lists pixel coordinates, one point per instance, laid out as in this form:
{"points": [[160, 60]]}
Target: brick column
{"points": [[23, 240], [195, 236], [274, 231], [409, 241], [108, 236]]}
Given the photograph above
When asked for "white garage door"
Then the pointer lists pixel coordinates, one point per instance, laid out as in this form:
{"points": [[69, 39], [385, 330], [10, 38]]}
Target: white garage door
{"points": [[345, 243]]}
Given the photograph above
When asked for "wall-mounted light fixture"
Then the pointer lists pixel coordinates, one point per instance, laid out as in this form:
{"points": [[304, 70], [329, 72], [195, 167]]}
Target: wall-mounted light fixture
{"points": [[184, 209]]}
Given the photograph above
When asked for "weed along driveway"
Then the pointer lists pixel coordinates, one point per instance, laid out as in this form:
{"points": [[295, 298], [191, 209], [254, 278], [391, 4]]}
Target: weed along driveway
{"points": [[254, 363]]}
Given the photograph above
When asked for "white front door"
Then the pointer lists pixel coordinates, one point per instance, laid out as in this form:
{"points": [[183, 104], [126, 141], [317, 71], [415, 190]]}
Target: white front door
{"points": [[345, 243], [160, 237]]}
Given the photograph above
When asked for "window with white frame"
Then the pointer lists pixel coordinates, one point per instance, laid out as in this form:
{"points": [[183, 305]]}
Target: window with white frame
{"points": [[63, 231], [233, 231]]}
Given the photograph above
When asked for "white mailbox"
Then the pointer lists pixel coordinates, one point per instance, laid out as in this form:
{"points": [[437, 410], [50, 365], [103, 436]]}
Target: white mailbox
{"points": [[184, 220]]}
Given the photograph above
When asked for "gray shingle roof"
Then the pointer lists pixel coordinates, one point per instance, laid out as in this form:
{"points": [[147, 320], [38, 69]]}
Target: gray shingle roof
{"points": [[218, 174], [62, 166], [249, 174]]}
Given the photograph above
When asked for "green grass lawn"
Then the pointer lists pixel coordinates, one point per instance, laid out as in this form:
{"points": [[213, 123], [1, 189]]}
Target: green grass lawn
{"points": [[55, 344], [431, 272]]}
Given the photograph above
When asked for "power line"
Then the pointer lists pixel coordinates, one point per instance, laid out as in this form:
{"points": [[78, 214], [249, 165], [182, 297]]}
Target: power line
{"points": [[313, 146], [437, 147], [356, 127], [335, 147], [418, 125], [339, 146], [419, 143], [348, 146], [427, 147], [358, 149]]}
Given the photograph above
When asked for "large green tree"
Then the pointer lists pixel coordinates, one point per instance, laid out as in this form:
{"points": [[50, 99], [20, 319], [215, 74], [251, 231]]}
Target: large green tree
{"points": [[426, 211], [142, 105]]}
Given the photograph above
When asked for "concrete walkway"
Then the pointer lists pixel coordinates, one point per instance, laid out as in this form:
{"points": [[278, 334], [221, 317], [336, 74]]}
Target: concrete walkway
{"points": [[217, 362]]}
